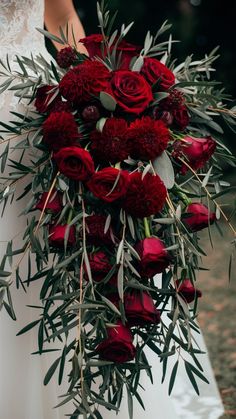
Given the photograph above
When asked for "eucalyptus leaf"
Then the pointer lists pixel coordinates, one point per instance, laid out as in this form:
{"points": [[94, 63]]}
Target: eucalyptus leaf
{"points": [[164, 168]]}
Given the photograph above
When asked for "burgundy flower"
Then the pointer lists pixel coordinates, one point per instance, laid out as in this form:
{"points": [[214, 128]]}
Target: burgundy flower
{"points": [[154, 258], [147, 138], [91, 113], [84, 82], [44, 95], [140, 309], [131, 91], [199, 217], [110, 145], [180, 118], [58, 234], [153, 71], [75, 163], [99, 265], [66, 57], [109, 184], [95, 226], [196, 150], [172, 110], [54, 204], [118, 346], [145, 196], [187, 291], [60, 130]]}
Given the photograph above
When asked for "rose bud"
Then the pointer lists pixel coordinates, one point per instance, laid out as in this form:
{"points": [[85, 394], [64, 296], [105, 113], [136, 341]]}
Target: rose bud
{"points": [[118, 346], [196, 150], [199, 217], [66, 57], [54, 204], [99, 265], [91, 113], [154, 258], [187, 291], [140, 309], [95, 226], [59, 232]]}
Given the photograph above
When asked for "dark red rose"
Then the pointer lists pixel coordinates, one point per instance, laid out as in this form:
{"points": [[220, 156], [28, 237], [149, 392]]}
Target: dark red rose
{"points": [[110, 145], [109, 184], [84, 82], [131, 91], [94, 44], [75, 163], [187, 291], [145, 196], [91, 113], [147, 138], [66, 57], [54, 204], [60, 130], [95, 226], [196, 150], [199, 217], [118, 346], [59, 232], [140, 309], [47, 99], [154, 258], [181, 118], [153, 71], [99, 265]]}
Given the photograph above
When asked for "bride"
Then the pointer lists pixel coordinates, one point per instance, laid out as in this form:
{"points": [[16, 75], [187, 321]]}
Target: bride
{"points": [[22, 394]]}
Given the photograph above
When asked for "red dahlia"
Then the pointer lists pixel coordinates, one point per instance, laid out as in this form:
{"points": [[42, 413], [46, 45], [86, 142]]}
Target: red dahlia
{"points": [[60, 130], [110, 145], [85, 81], [66, 57], [95, 226], [109, 184], [145, 196], [154, 71], [147, 138]]}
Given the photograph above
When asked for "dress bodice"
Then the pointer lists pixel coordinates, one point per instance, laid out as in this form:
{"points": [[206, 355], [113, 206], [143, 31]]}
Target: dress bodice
{"points": [[18, 20]]}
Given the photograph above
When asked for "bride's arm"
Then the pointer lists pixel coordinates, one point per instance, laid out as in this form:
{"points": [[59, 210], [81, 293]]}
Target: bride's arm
{"points": [[59, 13]]}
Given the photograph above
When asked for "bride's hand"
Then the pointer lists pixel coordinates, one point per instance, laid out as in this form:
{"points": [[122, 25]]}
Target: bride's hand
{"points": [[59, 13]]}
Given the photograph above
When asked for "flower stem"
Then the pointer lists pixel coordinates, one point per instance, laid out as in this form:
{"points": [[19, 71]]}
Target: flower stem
{"points": [[146, 227]]}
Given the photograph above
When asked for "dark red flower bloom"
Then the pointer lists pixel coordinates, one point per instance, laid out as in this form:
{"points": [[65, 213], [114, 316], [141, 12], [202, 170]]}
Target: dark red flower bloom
{"points": [[60, 130], [140, 309], [131, 91], [110, 145], [95, 226], [118, 346], [58, 234], [75, 163], [154, 258], [109, 184], [99, 265], [84, 82], [197, 151], [153, 71], [46, 99], [91, 113], [145, 196], [180, 118], [54, 204], [187, 291], [66, 57], [199, 217], [147, 138], [172, 110]]}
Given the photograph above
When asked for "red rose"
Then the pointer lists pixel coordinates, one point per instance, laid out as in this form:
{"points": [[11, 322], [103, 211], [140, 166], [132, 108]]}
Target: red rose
{"points": [[145, 196], [187, 291], [58, 234], [199, 217], [153, 71], [60, 130], [118, 346], [109, 184], [110, 145], [99, 265], [140, 309], [84, 82], [131, 91], [95, 226], [180, 118], [44, 95], [54, 204], [66, 57], [154, 258], [75, 163], [147, 138], [197, 151]]}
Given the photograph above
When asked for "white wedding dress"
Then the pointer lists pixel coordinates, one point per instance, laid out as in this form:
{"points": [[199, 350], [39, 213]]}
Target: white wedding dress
{"points": [[22, 394]]}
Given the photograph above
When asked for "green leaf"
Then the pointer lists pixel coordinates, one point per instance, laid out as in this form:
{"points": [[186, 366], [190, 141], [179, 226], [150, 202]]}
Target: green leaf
{"points": [[130, 403], [28, 327], [191, 377], [172, 377], [164, 168], [108, 101], [51, 371]]}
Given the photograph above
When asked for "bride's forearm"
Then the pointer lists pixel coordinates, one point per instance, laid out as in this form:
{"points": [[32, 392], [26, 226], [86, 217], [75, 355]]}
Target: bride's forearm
{"points": [[59, 13]]}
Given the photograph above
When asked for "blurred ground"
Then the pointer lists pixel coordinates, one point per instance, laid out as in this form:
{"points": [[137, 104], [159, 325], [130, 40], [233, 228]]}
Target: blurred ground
{"points": [[217, 314]]}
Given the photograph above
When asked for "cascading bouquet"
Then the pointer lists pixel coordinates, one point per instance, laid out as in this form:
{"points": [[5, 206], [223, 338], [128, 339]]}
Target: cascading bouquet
{"points": [[125, 168]]}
